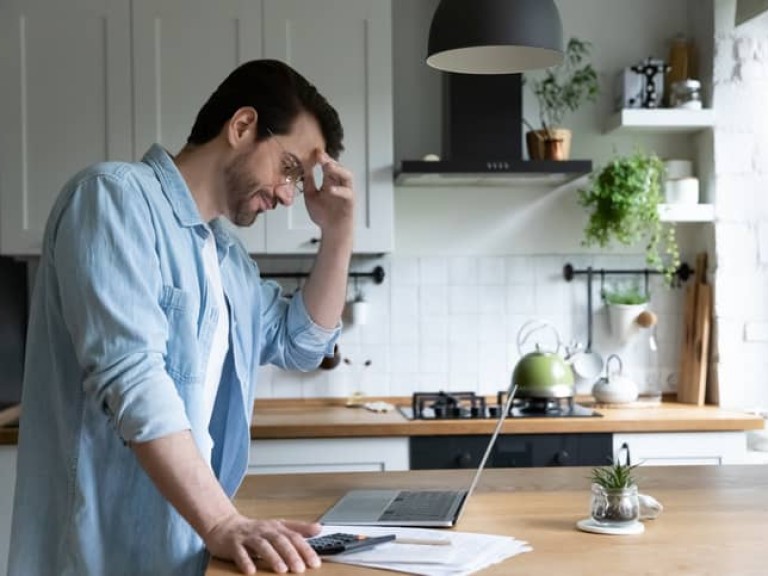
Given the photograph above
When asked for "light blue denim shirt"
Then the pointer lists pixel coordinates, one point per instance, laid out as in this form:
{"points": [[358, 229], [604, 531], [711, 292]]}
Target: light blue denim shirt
{"points": [[119, 334]]}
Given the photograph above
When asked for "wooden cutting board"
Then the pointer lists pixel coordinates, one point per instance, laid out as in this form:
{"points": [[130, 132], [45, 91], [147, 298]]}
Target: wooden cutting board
{"points": [[694, 354]]}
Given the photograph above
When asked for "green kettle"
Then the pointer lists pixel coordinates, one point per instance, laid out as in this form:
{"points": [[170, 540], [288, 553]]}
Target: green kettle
{"points": [[540, 373]]}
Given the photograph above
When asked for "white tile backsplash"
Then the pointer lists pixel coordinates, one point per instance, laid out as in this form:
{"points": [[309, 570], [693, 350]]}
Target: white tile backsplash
{"points": [[463, 300], [462, 271], [433, 271], [433, 300], [491, 270], [451, 323]]}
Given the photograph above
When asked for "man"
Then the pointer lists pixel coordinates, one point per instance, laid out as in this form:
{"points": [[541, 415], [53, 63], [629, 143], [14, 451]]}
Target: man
{"points": [[147, 327]]}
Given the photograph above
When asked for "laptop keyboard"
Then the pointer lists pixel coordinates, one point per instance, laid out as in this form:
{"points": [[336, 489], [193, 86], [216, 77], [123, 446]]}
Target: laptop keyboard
{"points": [[421, 505]]}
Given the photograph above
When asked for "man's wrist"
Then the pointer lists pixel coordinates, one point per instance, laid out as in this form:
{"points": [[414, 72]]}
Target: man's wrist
{"points": [[339, 237]]}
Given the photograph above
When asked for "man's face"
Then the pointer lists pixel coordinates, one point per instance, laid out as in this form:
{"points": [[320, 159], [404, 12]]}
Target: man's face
{"points": [[264, 174]]}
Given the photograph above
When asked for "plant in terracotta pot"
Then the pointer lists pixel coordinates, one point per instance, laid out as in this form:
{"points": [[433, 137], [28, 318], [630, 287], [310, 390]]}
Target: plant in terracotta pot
{"points": [[614, 494], [623, 203], [561, 89]]}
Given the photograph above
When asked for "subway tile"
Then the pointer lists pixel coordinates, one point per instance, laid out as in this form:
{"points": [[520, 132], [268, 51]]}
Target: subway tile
{"points": [[462, 271], [405, 271], [491, 270], [433, 300], [519, 270], [463, 300], [433, 270]]}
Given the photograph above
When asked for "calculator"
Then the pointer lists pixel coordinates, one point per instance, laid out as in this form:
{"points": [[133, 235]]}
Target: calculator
{"points": [[342, 542]]}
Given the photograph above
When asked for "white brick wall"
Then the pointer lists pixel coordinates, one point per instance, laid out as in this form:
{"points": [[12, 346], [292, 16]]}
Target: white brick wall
{"points": [[741, 162]]}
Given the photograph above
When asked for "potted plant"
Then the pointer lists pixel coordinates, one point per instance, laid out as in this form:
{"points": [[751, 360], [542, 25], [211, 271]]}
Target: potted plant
{"points": [[561, 89], [625, 303], [623, 203], [614, 495]]}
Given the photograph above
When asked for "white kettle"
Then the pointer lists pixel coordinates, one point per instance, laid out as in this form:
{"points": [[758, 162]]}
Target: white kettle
{"points": [[615, 387]]}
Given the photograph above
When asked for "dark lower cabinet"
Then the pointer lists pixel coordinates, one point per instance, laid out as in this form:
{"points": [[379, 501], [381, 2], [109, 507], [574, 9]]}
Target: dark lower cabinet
{"points": [[510, 451]]}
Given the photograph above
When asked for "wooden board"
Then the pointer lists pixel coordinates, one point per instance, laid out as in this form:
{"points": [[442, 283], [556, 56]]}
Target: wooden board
{"points": [[686, 349], [694, 353], [701, 343]]}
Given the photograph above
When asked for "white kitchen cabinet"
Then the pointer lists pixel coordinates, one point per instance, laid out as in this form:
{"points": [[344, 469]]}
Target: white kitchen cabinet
{"points": [[306, 455], [182, 50], [90, 80], [64, 104], [345, 48], [7, 486], [684, 448]]}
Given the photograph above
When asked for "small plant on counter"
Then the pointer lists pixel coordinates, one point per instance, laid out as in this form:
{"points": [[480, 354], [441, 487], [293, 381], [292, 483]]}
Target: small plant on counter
{"points": [[623, 203], [614, 477], [614, 494]]}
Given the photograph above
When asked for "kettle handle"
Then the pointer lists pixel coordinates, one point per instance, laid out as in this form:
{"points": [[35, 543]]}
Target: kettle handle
{"points": [[532, 326], [608, 372]]}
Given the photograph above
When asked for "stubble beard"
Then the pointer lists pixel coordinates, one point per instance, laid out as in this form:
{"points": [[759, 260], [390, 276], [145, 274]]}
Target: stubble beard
{"points": [[241, 188]]}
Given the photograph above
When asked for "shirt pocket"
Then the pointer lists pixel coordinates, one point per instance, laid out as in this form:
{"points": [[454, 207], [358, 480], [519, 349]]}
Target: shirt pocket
{"points": [[183, 347]]}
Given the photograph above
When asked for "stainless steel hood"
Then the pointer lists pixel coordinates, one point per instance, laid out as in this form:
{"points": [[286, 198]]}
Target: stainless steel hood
{"points": [[483, 140]]}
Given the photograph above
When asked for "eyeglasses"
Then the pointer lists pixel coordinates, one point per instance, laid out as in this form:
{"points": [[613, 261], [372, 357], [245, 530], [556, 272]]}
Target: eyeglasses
{"points": [[290, 167]]}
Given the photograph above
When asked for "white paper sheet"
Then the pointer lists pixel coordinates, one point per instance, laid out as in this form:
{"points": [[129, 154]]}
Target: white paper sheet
{"points": [[466, 554]]}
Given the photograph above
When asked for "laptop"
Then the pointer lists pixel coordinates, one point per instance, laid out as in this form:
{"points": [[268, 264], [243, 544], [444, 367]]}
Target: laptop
{"points": [[425, 508]]}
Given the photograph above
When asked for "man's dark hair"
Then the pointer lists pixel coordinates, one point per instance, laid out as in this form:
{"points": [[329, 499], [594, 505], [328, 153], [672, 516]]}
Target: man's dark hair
{"points": [[278, 94]]}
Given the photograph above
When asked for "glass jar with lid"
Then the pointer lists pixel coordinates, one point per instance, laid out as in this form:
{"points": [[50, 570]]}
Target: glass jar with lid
{"points": [[686, 94]]}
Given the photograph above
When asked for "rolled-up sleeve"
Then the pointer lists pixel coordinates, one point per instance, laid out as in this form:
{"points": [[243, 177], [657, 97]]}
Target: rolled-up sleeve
{"points": [[291, 339], [104, 250]]}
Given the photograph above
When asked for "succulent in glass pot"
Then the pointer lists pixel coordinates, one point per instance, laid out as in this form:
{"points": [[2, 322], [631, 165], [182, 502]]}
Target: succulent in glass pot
{"points": [[615, 499]]}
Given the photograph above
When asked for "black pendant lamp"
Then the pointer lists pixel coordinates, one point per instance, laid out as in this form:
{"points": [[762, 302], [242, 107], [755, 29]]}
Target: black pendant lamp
{"points": [[495, 36]]}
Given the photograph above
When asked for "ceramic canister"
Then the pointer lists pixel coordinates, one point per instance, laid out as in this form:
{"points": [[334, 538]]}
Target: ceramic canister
{"points": [[682, 191]]}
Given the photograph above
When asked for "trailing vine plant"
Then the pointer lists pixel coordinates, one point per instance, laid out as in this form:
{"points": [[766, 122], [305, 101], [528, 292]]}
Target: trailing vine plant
{"points": [[623, 199]]}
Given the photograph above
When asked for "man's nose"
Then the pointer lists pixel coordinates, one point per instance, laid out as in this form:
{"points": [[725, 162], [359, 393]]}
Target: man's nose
{"points": [[285, 193]]}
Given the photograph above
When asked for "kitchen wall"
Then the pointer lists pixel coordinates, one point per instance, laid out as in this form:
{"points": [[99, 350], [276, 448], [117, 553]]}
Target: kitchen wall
{"points": [[451, 323], [741, 170], [472, 264]]}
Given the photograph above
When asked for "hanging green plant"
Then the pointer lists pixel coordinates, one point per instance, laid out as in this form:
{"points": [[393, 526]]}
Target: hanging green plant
{"points": [[623, 201]]}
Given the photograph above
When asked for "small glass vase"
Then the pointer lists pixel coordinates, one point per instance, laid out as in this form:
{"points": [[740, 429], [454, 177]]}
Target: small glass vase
{"points": [[614, 507]]}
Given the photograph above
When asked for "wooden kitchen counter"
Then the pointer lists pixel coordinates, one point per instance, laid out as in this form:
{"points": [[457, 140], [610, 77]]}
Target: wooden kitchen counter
{"points": [[329, 418], [714, 522]]}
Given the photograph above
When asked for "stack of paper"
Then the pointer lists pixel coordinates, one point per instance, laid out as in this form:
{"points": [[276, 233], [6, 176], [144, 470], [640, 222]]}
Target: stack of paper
{"points": [[438, 553]]}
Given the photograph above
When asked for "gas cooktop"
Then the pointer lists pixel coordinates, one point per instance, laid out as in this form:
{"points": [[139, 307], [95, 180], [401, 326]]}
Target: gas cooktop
{"points": [[468, 405]]}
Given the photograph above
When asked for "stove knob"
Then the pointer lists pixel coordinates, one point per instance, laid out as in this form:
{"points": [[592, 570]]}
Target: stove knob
{"points": [[562, 457], [493, 411], [464, 460], [476, 412], [439, 412], [454, 412]]}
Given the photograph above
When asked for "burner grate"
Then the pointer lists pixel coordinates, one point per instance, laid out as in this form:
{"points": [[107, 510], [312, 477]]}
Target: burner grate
{"points": [[469, 405], [448, 405]]}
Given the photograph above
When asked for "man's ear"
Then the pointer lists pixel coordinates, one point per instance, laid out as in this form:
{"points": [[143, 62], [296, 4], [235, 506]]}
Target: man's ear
{"points": [[242, 126]]}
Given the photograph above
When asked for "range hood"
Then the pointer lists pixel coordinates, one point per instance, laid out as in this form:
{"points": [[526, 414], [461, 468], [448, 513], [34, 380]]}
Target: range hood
{"points": [[483, 140]]}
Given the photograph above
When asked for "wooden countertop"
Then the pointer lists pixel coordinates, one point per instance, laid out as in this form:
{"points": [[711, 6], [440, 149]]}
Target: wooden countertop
{"points": [[329, 418], [714, 522]]}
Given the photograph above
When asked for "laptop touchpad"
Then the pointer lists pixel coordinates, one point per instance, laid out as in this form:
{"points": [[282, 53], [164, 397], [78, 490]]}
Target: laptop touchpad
{"points": [[360, 506]]}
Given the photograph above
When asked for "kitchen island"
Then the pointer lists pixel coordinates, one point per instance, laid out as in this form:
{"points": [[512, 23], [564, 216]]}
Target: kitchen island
{"points": [[714, 522]]}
